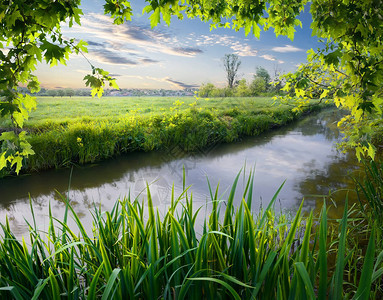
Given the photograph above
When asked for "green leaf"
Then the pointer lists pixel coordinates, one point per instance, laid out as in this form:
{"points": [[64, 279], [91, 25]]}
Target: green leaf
{"points": [[221, 282], [3, 161], [306, 279], [95, 282], [155, 17], [365, 282]]}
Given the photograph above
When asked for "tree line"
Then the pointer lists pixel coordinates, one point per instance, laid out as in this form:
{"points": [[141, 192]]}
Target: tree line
{"points": [[68, 92], [261, 84]]}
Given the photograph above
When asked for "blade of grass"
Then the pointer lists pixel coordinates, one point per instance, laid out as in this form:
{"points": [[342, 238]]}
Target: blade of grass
{"points": [[364, 288], [221, 282], [95, 282], [306, 279], [110, 283], [337, 286], [322, 291]]}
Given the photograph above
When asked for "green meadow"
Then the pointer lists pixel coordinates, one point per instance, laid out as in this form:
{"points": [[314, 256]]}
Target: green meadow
{"points": [[61, 110]]}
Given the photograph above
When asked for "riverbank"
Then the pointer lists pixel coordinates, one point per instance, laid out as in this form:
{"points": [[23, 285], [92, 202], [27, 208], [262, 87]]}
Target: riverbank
{"points": [[68, 131]]}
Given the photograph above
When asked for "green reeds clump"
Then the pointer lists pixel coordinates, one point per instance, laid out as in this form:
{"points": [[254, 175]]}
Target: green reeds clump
{"points": [[370, 189], [135, 253]]}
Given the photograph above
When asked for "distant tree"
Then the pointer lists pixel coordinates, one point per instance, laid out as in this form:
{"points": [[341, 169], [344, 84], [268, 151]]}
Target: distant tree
{"points": [[85, 93], [69, 92], [262, 73], [242, 90], [52, 93], [257, 86], [61, 93], [231, 65], [42, 92], [228, 92], [277, 82], [205, 90]]}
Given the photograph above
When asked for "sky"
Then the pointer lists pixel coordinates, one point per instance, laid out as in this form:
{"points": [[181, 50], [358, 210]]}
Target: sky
{"points": [[185, 54]]}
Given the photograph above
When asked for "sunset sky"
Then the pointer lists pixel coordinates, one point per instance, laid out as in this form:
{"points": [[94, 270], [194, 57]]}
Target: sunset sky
{"points": [[184, 54]]}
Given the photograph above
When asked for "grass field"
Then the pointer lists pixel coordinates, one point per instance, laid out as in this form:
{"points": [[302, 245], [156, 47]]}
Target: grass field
{"points": [[75, 109], [67, 130]]}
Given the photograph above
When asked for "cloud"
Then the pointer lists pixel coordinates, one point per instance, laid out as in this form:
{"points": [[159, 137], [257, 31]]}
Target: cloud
{"points": [[271, 58], [114, 75], [95, 44], [140, 38], [286, 49], [110, 57], [239, 48], [175, 83], [148, 61], [213, 39], [268, 57], [188, 51], [180, 84], [244, 50]]}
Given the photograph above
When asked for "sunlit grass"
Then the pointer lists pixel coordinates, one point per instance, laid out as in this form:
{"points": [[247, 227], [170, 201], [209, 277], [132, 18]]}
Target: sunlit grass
{"points": [[75, 109]]}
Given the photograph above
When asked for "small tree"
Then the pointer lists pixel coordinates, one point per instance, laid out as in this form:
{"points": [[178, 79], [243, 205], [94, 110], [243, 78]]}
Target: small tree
{"points": [[205, 90], [277, 82], [69, 92], [61, 93], [262, 73], [242, 89], [231, 64], [258, 86], [52, 93]]}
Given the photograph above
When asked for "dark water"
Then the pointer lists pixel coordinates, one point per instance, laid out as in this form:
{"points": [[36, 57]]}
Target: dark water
{"points": [[304, 154]]}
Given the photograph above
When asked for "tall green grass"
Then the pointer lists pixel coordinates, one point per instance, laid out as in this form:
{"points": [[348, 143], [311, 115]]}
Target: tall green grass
{"points": [[134, 252]]}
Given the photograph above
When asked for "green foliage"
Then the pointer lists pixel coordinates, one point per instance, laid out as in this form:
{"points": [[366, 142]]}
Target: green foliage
{"points": [[206, 90], [262, 73], [134, 252], [14, 149], [31, 31], [258, 86], [370, 190], [348, 68], [242, 90]]}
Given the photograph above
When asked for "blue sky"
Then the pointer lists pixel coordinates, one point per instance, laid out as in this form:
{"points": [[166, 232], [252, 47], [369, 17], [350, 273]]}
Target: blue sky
{"points": [[184, 54]]}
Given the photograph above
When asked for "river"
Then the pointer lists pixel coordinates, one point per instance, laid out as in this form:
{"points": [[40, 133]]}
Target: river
{"points": [[304, 154]]}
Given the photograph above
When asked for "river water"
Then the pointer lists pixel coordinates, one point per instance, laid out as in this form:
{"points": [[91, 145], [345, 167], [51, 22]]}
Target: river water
{"points": [[304, 154]]}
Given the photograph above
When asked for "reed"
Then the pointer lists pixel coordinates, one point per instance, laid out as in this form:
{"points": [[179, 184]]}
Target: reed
{"points": [[135, 253]]}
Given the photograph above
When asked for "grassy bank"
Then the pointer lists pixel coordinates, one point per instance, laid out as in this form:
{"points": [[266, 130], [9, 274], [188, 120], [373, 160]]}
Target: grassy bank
{"points": [[81, 130], [135, 253]]}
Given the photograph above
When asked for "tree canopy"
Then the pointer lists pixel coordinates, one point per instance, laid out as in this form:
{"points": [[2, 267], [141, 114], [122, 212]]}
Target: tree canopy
{"points": [[348, 67]]}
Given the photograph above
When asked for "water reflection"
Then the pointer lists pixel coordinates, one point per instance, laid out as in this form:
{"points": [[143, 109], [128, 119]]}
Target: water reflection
{"points": [[303, 154]]}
